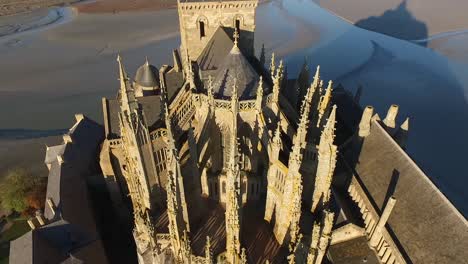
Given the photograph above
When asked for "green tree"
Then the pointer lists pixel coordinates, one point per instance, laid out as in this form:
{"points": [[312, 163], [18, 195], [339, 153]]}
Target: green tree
{"points": [[16, 189]]}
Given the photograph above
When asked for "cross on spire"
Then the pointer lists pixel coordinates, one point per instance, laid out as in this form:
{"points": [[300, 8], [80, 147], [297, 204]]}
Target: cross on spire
{"points": [[236, 37]]}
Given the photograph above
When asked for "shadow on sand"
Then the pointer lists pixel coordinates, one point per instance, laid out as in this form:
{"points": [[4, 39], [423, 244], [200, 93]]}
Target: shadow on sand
{"points": [[398, 23]]}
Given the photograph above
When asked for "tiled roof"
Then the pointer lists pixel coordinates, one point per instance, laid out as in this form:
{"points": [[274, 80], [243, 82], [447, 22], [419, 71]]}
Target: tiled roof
{"points": [[427, 226]]}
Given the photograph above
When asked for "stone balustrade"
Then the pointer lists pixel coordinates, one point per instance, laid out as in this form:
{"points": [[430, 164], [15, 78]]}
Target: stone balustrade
{"points": [[386, 249]]}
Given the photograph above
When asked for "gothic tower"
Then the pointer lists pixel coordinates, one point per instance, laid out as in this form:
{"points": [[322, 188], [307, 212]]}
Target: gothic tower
{"points": [[199, 21]]}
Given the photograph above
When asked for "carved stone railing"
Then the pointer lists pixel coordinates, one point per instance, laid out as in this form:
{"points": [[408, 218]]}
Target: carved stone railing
{"points": [[386, 250], [115, 142], [244, 105], [269, 98], [198, 260], [160, 132], [163, 237]]}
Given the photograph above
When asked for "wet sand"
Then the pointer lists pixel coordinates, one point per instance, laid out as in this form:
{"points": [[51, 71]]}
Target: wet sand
{"points": [[437, 16], [26, 153], [115, 6]]}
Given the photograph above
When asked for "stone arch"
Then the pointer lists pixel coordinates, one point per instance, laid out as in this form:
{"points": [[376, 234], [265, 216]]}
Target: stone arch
{"points": [[238, 22], [202, 25]]}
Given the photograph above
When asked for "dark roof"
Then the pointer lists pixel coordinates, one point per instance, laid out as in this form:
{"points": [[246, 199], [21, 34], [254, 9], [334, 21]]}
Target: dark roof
{"points": [[147, 75], [423, 221], [53, 152], [73, 226], [235, 69], [151, 107], [355, 251], [217, 48], [33, 248], [174, 81]]}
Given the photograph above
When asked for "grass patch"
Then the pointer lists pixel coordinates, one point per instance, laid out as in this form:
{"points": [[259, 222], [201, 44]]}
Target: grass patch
{"points": [[20, 227]]}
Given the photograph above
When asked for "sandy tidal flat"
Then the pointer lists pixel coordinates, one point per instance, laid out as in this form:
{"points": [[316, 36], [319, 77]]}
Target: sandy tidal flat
{"points": [[405, 19]]}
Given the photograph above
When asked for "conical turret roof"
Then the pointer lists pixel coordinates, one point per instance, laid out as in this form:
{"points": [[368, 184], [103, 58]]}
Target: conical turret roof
{"points": [[147, 75], [235, 69]]}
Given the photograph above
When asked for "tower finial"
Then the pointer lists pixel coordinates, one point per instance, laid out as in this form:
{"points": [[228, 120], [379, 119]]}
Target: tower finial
{"points": [[122, 74], [236, 37], [146, 61], [272, 65], [258, 102]]}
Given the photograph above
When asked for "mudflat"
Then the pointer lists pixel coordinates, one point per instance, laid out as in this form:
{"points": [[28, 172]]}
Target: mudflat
{"points": [[405, 19], [10, 7]]}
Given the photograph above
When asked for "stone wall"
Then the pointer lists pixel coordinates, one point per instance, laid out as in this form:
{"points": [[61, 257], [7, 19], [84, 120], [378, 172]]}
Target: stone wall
{"points": [[211, 15]]}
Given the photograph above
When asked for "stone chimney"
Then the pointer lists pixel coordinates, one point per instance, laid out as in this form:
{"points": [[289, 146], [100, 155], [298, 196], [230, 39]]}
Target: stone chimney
{"points": [[79, 117], [60, 159], [51, 205], [40, 218], [364, 125], [67, 139], [392, 113], [401, 135]]}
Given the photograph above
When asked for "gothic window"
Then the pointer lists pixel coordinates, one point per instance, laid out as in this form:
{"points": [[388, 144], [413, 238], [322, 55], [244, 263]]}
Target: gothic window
{"points": [[225, 147], [160, 160], [238, 20], [224, 187], [202, 28], [215, 188]]}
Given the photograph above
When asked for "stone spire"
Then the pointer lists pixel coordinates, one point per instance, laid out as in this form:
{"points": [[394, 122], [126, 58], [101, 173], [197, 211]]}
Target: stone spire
{"points": [[243, 258], [276, 143], [189, 74], [127, 95], [208, 252], [176, 203], [277, 80], [327, 152], [325, 236], [290, 208], [401, 135], [324, 102], [258, 101], [262, 56], [311, 257], [210, 94], [316, 81], [300, 139], [236, 37], [233, 202], [272, 65]]}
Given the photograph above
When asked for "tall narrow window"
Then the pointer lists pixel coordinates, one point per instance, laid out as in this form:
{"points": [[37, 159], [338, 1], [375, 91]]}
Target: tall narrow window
{"points": [[202, 29], [238, 25]]}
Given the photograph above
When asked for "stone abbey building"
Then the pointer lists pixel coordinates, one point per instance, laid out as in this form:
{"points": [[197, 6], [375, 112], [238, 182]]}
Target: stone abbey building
{"points": [[224, 158]]}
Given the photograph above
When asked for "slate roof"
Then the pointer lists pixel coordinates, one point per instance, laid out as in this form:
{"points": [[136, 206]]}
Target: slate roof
{"points": [[235, 69], [72, 229], [217, 48], [151, 107], [53, 152], [147, 75], [424, 222], [354, 251]]}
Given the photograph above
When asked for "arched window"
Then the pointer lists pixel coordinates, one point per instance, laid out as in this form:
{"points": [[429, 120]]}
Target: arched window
{"points": [[238, 25], [202, 28]]}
